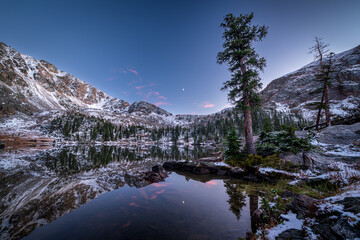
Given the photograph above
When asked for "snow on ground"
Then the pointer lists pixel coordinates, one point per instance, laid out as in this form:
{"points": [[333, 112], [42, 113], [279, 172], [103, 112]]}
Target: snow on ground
{"points": [[341, 108], [290, 222], [221, 164], [348, 150], [353, 192], [301, 174], [280, 107], [329, 205], [9, 163]]}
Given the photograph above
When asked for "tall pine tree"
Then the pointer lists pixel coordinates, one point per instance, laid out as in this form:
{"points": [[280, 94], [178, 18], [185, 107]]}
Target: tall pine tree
{"points": [[244, 64]]}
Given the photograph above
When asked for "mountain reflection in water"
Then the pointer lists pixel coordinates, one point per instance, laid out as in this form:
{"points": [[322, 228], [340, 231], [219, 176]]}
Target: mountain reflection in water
{"points": [[179, 208], [58, 182]]}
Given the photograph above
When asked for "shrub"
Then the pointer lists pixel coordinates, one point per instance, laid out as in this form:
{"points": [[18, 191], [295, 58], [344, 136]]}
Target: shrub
{"points": [[283, 141]]}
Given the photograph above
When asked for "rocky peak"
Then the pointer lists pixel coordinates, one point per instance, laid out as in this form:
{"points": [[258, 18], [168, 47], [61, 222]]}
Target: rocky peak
{"points": [[49, 66], [147, 108]]}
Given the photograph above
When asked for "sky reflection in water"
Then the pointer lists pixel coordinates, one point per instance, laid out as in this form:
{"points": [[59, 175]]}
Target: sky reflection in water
{"points": [[180, 208]]}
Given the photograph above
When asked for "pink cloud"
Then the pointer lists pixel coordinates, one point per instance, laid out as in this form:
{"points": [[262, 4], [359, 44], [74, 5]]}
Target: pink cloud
{"points": [[159, 96], [140, 87], [133, 71], [207, 104], [160, 192], [211, 183], [210, 105], [162, 103], [160, 184]]}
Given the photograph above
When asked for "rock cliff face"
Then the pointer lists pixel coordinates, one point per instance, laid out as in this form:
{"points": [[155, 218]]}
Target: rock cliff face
{"points": [[298, 91]]}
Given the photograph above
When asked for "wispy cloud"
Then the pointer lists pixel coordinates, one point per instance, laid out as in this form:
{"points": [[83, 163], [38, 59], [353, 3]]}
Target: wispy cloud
{"points": [[162, 103], [207, 105], [133, 71], [139, 87], [157, 94]]}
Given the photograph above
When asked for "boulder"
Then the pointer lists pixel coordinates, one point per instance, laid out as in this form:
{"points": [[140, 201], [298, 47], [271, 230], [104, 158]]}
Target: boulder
{"points": [[351, 204], [173, 165], [303, 206], [318, 161], [340, 134], [344, 230], [201, 170], [293, 234], [294, 158]]}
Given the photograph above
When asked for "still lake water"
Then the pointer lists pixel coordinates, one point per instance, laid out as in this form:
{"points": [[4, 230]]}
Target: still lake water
{"points": [[184, 206], [179, 208]]}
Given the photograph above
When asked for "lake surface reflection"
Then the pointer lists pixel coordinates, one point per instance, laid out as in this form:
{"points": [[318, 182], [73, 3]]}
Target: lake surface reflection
{"points": [[99, 192], [179, 208]]}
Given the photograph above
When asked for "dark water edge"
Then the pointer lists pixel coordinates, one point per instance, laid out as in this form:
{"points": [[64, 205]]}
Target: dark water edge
{"points": [[179, 208]]}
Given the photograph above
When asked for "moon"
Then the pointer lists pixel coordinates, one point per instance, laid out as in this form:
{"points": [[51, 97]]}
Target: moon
{"points": [[183, 89]]}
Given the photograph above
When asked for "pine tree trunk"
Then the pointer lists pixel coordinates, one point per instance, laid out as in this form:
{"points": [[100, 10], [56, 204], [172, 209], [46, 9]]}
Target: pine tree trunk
{"points": [[327, 105], [249, 140], [319, 113]]}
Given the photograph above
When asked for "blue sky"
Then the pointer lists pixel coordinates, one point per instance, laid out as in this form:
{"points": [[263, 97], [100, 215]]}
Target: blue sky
{"points": [[164, 52]]}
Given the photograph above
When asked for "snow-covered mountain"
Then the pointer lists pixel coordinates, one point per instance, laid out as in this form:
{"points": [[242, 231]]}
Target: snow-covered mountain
{"points": [[30, 86], [297, 92]]}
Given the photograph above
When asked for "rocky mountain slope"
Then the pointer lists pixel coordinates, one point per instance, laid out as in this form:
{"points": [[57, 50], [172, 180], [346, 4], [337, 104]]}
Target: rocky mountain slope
{"points": [[297, 92], [30, 86]]}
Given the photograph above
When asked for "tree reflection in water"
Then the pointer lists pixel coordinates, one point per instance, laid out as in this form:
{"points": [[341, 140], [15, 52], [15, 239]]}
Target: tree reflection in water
{"points": [[236, 197], [74, 159], [237, 200]]}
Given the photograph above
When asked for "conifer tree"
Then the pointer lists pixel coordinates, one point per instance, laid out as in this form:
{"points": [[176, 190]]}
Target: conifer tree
{"points": [[244, 65], [267, 127], [321, 53], [233, 145]]}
